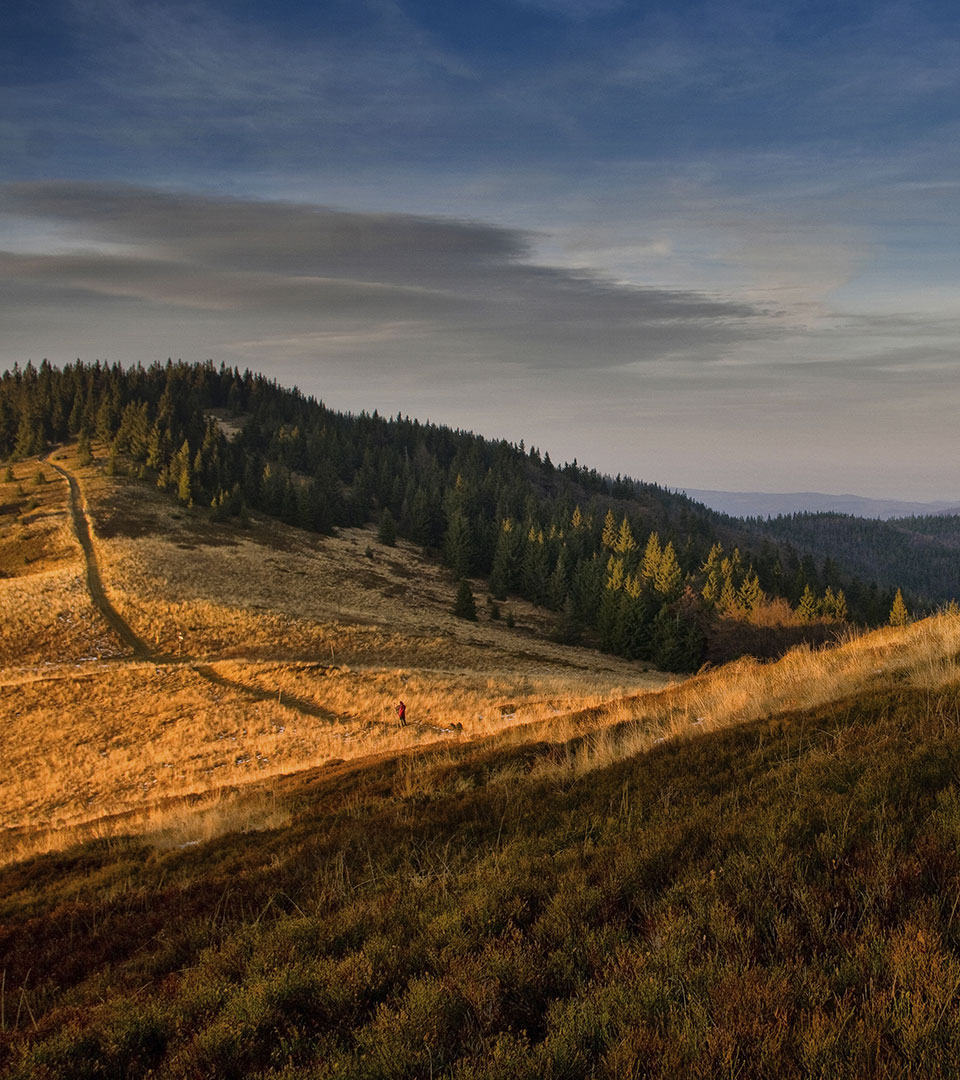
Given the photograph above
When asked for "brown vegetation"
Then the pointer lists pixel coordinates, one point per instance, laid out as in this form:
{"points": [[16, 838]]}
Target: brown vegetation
{"points": [[273, 651], [567, 868]]}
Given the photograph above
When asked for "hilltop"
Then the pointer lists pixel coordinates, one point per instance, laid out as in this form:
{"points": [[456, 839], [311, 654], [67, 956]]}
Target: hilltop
{"points": [[628, 566], [222, 857]]}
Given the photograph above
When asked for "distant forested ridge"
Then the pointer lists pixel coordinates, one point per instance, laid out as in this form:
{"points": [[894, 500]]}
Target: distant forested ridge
{"points": [[920, 553], [629, 566]]}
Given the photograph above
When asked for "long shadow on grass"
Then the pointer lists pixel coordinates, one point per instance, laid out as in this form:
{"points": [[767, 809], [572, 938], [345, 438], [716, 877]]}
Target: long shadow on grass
{"points": [[290, 700]]}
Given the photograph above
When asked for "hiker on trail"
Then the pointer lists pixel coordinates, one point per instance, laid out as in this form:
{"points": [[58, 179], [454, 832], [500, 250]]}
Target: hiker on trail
{"points": [[402, 714]]}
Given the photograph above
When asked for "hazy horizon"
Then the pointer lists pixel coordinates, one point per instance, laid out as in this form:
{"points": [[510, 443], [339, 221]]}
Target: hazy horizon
{"points": [[707, 247]]}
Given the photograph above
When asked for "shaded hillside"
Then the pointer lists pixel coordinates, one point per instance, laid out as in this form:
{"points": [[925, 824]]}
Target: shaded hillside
{"points": [[920, 553], [773, 898], [643, 573]]}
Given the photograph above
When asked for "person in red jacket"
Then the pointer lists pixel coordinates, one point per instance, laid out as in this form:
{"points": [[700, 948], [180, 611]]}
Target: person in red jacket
{"points": [[402, 714]]}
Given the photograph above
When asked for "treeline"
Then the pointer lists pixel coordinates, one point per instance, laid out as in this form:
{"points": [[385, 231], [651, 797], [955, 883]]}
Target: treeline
{"points": [[640, 571], [920, 553]]}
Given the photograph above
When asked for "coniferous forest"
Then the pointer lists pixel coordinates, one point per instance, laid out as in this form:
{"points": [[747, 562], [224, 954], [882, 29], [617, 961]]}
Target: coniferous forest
{"points": [[627, 566]]}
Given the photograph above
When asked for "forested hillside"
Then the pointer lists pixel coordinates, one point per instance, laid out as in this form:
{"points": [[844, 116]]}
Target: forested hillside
{"points": [[628, 566], [920, 553]]}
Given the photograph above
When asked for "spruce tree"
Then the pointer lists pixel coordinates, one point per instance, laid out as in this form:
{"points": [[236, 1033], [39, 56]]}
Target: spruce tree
{"points": [[185, 486], [84, 451], [750, 594], [899, 616], [809, 607], [729, 601], [464, 605], [625, 542], [387, 533], [651, 559], [536, 567], [457, 545], [714, 581], [609, 535], [669, 577], [505, 573]]}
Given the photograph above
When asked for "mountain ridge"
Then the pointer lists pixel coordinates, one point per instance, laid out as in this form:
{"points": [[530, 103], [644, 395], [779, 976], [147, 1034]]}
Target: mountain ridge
{"points": [[748, 504]]}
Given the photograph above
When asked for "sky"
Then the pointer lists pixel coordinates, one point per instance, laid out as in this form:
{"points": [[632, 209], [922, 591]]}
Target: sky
{"points": [[709, 245]]}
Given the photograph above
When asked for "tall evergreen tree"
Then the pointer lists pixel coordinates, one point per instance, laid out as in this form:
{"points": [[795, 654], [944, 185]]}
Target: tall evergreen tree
{"points": [[669, 577], [650, 563], [899, 616], [464, 604], [809, 608], [458, 545], [609, 535]]}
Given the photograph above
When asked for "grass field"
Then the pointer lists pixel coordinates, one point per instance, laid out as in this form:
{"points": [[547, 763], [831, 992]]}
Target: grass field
{"points": [[273, 651], [230, 863], [775, 897]]}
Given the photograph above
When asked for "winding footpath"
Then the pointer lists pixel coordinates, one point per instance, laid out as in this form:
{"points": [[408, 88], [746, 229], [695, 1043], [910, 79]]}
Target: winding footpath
{"points": [[140, 650], [81, 525]]}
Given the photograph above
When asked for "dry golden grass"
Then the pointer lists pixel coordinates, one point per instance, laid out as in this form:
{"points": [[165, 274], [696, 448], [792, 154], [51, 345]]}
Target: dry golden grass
{"points": [[294, 652], [46, 616], [35, 530], [924, 656]]}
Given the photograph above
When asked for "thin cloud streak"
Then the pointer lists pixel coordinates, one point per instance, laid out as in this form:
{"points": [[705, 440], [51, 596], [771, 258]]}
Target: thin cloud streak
{"points": [[703, 243]]}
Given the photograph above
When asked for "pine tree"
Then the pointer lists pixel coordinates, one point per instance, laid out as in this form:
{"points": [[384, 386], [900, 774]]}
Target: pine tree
{"points": [[899, 616], [750, 594], [559, 583], [651, 559], [29, 439], [711, 568], [679, 641], [185, 480], [586, 590], [84, 451], [614, 580], [609, 625], [729, 601], [536, 566], [458, 545], [387, 533], [609, 535], [625, 542], [669, 576], [809, 606], [464, 605], [505, 573]]}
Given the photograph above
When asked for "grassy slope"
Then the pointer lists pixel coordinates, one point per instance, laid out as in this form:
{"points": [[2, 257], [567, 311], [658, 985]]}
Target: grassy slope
{"points": [[755, 873], [294, 650], [777, 898]]}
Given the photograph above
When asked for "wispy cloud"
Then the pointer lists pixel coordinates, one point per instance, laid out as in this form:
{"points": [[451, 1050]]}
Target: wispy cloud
{"points": [[713, 228], [314, 263]]}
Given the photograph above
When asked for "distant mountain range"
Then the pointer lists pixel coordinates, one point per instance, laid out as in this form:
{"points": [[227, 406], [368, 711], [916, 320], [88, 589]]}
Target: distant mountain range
{"points": [[762, 504]]}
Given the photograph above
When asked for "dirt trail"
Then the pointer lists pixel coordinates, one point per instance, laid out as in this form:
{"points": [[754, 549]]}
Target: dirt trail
{"points": [[81, 525], [140, 649]]}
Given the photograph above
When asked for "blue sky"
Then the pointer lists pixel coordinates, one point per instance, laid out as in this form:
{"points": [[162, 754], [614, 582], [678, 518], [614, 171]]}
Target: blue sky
{"points": [[713, 245]]}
